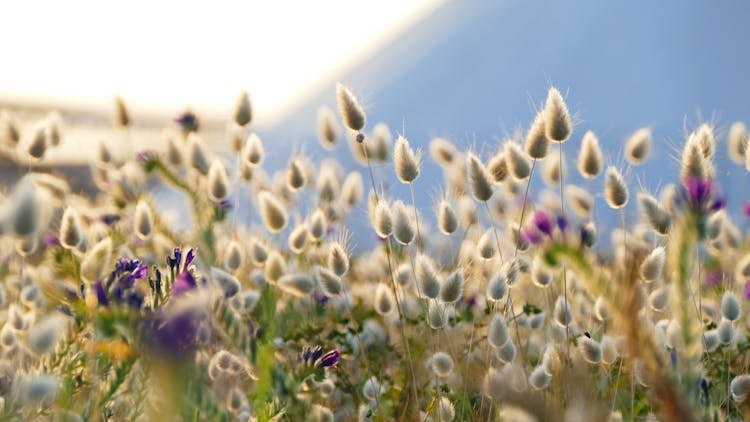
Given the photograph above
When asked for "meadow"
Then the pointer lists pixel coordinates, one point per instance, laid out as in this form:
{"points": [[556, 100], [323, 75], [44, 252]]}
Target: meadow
{"points": [[506, 302]]}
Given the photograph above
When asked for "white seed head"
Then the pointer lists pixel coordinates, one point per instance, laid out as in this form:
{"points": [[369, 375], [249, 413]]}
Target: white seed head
{"points": [[590, 349], [272, 212], [10, 136], [447, 218], [371, 389], [479, 178], [274, 266], [590, 156], [174, 151], [453, 287], [601, 309], [197, 153], [437, 316], [659, 298], [37, 144], [382, 220], [329, 282], [497, 287], [27, 211], [258, 251], [740, 388], [539, 379], [540, 274], [442, 364], [253, 153], [552, 172], [742, 270], [730, 306], [317, 224], [550, 359], [638, 146], [694, 164], [379, 145], [446, 412], [404, 274], [353, 189], [328, 129], [580, 200], [46, 333], [103, 156], [704, 136], [338, 259], [737, 142], [428, 281], [328, 184], [536, 143], [557, 123], [298, 285], [652, 265], [497, 333], [443, 151], [384, 300], [562, 312], [243, 111], [517, 161], [615, 189], [40, 390], [656, 215], [403, 225], [234, 256], [96, 261], [298, 238], [725, 331], [71, 232], [218, 182], [506, 353], [350, 109], [486, 246], [711, 340], [406, 161], [295, 176], [609, 350], [497, 167], [228, 283], [143, 220]]}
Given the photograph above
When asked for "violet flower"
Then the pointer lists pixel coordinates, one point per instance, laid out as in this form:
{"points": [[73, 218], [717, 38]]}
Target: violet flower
{"points": [[747, 290], [188, 122]]}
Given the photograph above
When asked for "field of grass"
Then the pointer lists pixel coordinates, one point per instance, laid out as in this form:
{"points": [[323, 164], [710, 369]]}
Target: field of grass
{"points": [[495, 306]]}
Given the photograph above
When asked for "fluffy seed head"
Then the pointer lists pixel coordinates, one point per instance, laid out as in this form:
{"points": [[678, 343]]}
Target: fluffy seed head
{"points": [[536, 143], [580, 200], [656, 215], [71, 233], [96, 261], [730, 306], [638, 146], [615, 189], [317, 224], [590, 156], [497, 287], [590, 349], [274, 266], [371, 389], [557, 123], [659, 298], [143, 220], [693, 162], [540, 274], [298, 238], [725, 331], [453, 287], [479, 178], [446, 412], [740, 388], [338, 259], [328, 129], [497, 334], [243, 111], [601, 310], [652, 265], [253, 152], [737, 142], [382, 220], [517, 162], [384, 301], [234, 256], [225, 281], [174, 152], [38, 143], [742, 270], [486, 245], [218, 182], [403, 226], [539, 379], [443, 151], [329, 282], [562, 313], [497, 167], [350, 109], [406, 161], [121, 115], [507, 353], [298, 285], [45, 334], [442, 364], [428, 281], [437, 316], [295, 176], [9, 134], [553, 170], [197, 153], [272, 212], [258, 251], [447, 219], [704, 136], [353, 189]]}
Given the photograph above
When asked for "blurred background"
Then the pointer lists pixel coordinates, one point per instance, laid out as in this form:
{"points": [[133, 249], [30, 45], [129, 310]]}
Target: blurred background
{"points": [[473, 71]]}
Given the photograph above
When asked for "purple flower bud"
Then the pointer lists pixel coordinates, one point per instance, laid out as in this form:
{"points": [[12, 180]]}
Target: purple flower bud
{"points": [[188, 122], [190, 257], [543, 222], [101, 294], [330, 359], [530, 236], [746, 208], [51, 240], [184, 283], [714, 278], [109, 219], [747, 290]]}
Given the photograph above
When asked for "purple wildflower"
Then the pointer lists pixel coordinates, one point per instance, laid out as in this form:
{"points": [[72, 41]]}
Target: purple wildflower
{"points": [[330, 359], [531, 236], [714, 278], [697, 191], [184, 282], [109, 219], [50, 239], [144, 156], [746, 208], [747, 290], [188, 122], [543, 222], [101, 294]]}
